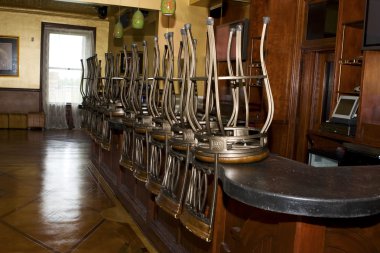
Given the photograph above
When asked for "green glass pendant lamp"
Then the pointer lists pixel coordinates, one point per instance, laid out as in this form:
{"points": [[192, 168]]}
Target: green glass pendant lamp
{"points": [[168, 7], [118, 31], [138, 20]]}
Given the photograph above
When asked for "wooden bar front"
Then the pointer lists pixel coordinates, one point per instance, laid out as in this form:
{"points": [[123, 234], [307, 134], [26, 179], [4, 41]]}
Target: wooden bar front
{"points": [[243, 227]]}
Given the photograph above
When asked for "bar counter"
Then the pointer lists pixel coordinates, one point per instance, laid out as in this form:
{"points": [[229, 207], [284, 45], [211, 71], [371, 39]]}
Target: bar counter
{"points": [[276, 205], [286, 186]]}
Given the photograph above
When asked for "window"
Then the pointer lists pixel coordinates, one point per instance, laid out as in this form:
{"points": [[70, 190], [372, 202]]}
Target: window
{"points": [[63, 47], [65, 52]]}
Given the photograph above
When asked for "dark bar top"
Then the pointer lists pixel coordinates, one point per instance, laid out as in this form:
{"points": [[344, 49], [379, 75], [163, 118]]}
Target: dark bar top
{"points": [[286, 186]]}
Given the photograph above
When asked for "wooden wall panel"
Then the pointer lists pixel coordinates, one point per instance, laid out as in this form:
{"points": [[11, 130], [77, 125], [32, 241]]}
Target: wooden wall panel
{"points": [[369, 124], [370, 107], [278, 137], [348, 15], [249, 229], [280, 52], [230, 12], [354, 235], [305, 108], [283, 52], [19, 101], [309, 238]]}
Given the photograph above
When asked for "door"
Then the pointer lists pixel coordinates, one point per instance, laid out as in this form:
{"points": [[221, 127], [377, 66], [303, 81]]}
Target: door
{"points": [[314, 100]]}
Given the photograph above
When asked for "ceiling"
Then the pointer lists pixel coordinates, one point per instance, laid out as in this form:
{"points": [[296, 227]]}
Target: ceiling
{"points": [[89, 10], [85, 10]]}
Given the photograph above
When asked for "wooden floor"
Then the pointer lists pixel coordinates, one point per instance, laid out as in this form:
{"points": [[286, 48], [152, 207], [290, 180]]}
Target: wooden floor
{"points": [[51, 201]]}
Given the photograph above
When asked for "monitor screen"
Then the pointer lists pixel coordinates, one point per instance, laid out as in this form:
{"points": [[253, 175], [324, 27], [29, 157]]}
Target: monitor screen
{"points": [[371, 39], [346, 107], [322, 18]]}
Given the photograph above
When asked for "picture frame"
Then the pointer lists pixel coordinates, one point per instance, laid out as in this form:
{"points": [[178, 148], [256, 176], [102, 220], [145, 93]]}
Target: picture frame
{"points": [[221, 39], [129, 59], [9, 56]]}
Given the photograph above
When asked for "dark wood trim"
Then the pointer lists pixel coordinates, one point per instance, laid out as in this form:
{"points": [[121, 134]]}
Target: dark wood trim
{"points": [[20, 89], [317, 44], [295, 79], [321, 44], [67, 26]]}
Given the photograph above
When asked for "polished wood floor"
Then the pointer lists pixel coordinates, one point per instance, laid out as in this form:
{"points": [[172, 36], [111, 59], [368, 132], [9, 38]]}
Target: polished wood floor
{"points": [[51, 200]]}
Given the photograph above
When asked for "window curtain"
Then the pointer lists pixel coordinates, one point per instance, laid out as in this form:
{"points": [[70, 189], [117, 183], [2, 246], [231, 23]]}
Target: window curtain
{"points": [[55, 111]]}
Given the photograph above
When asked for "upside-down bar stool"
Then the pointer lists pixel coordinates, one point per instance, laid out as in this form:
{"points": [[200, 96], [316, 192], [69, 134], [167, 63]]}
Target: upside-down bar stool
{"points": [[97, 103], [90, 99], [161, 131], [87, 76], [83, 83], [112, 94], [230, 142], [169, 196], [179, 154], [126, 159], [143, 125], [105, 140]]}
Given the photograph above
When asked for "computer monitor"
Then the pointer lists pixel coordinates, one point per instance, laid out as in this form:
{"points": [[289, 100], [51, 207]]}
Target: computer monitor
{"points": [[345, 109]]}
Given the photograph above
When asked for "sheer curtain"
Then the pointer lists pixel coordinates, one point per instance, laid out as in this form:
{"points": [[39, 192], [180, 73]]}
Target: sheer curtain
{"points": [[61, 72]]}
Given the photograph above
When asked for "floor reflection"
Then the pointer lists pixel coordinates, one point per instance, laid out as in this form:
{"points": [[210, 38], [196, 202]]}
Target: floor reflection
{"points": [[50, 201]]}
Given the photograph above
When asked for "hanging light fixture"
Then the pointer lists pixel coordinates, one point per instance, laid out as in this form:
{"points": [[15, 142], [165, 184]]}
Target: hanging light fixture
{"points": [[168, 7], [138, 19], [118, 30]]}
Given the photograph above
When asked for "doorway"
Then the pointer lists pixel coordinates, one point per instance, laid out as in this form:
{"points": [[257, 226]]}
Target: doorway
{"points": [[314, 98], [63, 46]]}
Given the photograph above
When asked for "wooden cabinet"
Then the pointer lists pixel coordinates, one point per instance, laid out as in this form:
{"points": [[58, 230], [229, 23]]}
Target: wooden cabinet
{"points": [[369, 120], [349, 55], [358, 68], [355, 69], [350, 58]]}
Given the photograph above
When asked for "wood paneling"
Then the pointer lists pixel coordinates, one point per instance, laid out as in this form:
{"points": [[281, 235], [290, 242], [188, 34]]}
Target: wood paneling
{"points": [[370, 107], [281, 47], [238, 227], [349, 46], [309, 238], [250, 229], [310, 99], [283, 52], [304, 99], [19, 101], [352, 10], [278, 137], [369, 116]]}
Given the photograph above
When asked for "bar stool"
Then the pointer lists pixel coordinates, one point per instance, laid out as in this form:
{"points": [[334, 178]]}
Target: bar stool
{"points": [[143, 124], [84, 90], [97, 102], [179, 156], [128, 146], [161, 132], [109, 98], [229, 142]]}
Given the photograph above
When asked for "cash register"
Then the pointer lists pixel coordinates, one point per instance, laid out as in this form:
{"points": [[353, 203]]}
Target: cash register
{"points": [[343, 119]]}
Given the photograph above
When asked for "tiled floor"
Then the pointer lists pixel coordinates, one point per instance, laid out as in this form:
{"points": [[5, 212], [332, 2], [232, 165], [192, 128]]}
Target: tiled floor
{"points": [[50, 200]]}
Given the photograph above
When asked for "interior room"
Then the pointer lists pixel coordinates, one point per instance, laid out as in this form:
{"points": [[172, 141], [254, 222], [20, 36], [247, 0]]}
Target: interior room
{"points": [[190, 126]]}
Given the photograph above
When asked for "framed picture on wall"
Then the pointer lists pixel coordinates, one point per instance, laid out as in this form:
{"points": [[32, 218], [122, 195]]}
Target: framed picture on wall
{"points": [[129, 60], [9, 58], [222, 33]]}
